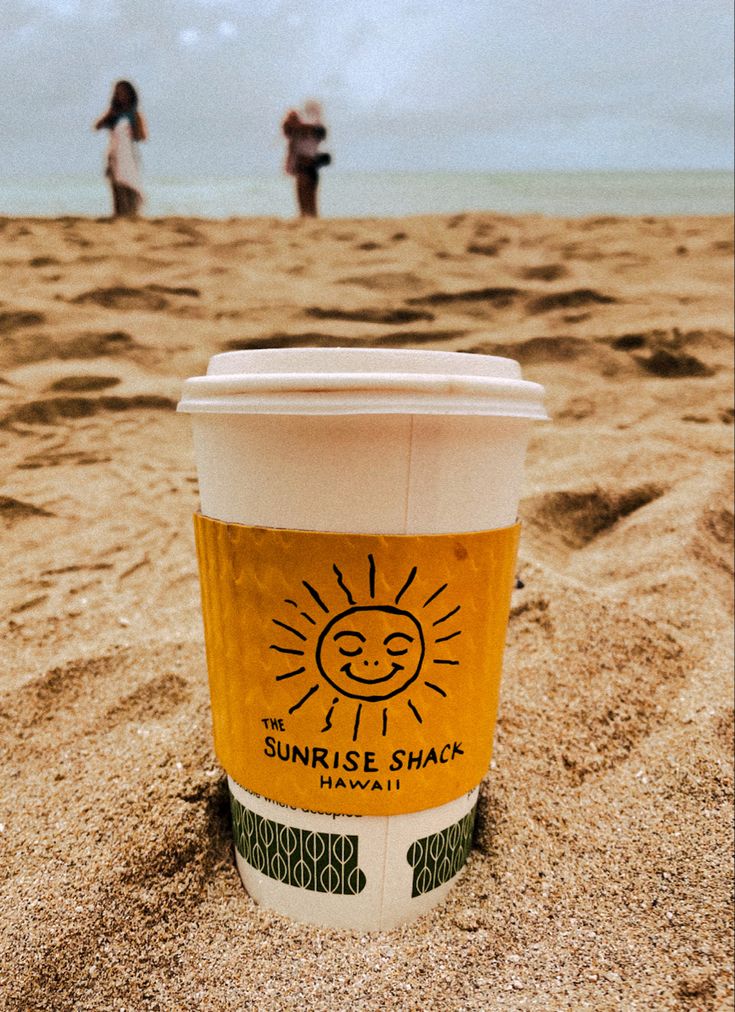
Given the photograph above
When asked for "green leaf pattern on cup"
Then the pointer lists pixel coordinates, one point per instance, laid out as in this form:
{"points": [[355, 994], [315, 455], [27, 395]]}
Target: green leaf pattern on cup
{"points": [[437, 858], [320, 862]]}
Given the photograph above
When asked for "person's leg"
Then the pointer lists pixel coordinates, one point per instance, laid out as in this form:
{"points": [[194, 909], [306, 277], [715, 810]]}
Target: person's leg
{"points": [[116, 199], [136, 202], [307, 184], [129, 202], [302, 193], [313, 186]]}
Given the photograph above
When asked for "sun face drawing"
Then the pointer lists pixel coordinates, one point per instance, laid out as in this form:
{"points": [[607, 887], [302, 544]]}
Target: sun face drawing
{"points": [[359, 661], [374, 654]]}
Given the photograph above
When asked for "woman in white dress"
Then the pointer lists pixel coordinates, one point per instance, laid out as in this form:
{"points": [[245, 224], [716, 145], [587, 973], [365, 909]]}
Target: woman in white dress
{"points": [[127, 127]]}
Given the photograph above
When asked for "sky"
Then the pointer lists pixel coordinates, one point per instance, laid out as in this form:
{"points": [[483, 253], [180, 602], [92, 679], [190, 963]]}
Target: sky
{"points": [[406, 85]]}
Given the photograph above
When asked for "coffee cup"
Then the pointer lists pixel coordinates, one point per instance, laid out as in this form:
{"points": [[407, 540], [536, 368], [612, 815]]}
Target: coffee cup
{"points": [[357, 537]]}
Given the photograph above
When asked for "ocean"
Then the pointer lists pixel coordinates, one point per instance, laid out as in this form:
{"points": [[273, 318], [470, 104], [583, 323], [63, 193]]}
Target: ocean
{"points": [[389, 194]]}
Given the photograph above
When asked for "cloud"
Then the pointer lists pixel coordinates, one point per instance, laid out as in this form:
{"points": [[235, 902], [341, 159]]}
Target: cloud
{"points": [[189, 36]]}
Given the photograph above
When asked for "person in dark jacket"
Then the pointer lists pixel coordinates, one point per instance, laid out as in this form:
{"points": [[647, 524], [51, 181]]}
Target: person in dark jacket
{"points": [[304, 134]]}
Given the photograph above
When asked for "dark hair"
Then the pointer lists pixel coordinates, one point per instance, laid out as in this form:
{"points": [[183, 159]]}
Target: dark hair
{"points": [[132, 96], [122, 105]]}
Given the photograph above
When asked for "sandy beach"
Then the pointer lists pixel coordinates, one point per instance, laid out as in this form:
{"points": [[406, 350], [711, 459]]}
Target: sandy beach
{"points": [[601, 874]]}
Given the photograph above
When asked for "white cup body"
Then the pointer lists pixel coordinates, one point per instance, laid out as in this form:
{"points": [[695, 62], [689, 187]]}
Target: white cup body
{"points": [[364, 474]]}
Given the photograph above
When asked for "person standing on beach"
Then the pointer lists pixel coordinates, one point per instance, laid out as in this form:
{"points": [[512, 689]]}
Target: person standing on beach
{"points": [[303, 158], [127, 127]]}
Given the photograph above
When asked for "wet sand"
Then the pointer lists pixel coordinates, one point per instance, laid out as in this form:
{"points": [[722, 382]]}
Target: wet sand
{"points": [[601, 874]]}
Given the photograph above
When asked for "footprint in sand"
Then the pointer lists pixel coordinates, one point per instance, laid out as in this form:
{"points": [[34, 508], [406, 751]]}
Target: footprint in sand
{"points": [[544, 272], [187, 229], [673, 339], [56, 410], [57, 458], [114, 342], [538, 349], [82, 384], [497, 297], [307, 340], [399, 338], [12, 510], [152, 700], [41, 347], [390, 316], [568, 300], [673, 365], [490, 249], [628, 342], [576, 409], [384, 280], [559, 348], [406, 338], [192, 293], [61, 695], [43, 262], [599, 222], [572, 519], [11, 320], [79, 241], [119, 297]]}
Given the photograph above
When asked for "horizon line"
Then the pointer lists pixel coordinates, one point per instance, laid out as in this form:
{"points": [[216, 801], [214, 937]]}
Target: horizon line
{"points": [[268, 174]]}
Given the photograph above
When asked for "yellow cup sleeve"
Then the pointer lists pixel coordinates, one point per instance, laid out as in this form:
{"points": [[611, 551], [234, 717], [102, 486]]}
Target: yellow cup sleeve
{"points": [[354, 674]]}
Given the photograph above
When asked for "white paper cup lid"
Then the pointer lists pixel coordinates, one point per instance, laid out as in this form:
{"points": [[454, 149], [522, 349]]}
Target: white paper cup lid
{"points": [[348, 381]]}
